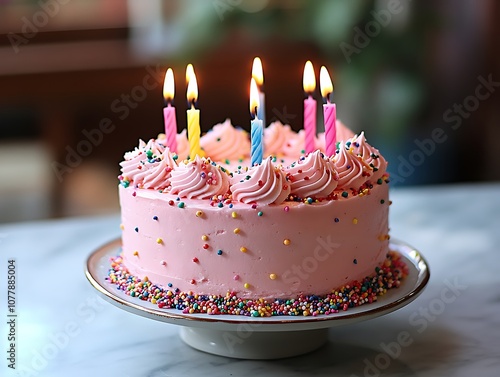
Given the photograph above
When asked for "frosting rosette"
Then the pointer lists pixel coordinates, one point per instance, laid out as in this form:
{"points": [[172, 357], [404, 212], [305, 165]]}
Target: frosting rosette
{"points": [[343, 134], [262, 184], [312, 176], [198, 179], [370, 155], [148, 166], [224, 141], [155, 146], [276, 135], [352, 170], [294, 146]]}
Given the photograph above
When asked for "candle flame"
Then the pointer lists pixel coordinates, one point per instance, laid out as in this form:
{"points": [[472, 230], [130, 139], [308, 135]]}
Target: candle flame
{"points": [[192, 89], [189, 72], [254, 97], [169, 85], [325, 82], [309, 79], [257, 72]]}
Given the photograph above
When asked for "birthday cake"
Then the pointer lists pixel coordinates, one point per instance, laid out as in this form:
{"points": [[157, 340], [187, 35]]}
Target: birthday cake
{"points": [[298, 234]]}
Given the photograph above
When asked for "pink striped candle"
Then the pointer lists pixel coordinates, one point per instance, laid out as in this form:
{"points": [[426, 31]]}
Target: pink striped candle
{"points": [[329, 112], [330, 116], [309, 85], [169, 118]]}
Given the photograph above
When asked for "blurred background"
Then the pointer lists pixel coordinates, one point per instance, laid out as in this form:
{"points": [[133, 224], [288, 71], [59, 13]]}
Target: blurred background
{"points": [[81, 81]]}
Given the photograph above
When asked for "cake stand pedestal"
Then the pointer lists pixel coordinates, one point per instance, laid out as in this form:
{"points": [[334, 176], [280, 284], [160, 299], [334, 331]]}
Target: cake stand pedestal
{"points": [[259, 337], [250, 344]]}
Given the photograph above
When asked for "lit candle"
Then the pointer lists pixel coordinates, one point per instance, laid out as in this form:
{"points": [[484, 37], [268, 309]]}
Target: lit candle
{"points": [[258, 76], [193, 115], [169, 118], [309, 85], [257, 130], [189, 72], [329, 112]]}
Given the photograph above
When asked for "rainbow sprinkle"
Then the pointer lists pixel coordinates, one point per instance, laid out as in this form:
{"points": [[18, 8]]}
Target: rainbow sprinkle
{"points": [[387, 276]]}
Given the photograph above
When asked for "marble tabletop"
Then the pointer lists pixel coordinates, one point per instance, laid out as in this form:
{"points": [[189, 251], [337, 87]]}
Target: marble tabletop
{"points": [[63, 328]]}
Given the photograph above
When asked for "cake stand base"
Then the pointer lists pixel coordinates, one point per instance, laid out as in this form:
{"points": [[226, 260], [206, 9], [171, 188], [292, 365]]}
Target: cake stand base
{"points": [[249, 344]]}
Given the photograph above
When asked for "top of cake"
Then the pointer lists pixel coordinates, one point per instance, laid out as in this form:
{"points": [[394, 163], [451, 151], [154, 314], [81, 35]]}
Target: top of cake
{"points": [[286, 174]]}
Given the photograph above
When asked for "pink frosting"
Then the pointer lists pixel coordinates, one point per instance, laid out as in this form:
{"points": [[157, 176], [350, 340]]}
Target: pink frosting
{"points": [[150, 172], [343, 134], [262, 184], [294, 147], [313, 176], [224, 141], [306, 248], [276, 135], [352, 170], [322, 254], [198, 179], [370, 155]]}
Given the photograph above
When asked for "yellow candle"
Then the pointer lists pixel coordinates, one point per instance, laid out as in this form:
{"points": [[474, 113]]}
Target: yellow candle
{"points": [[193, 116]]}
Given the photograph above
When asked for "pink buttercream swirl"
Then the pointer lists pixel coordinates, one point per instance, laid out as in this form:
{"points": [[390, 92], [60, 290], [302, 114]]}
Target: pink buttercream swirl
{"points": [[275, 138], [198, 179], [312, 176], [352, 170], [370, 155], [262, 184], [224, 141], [148, 166]]}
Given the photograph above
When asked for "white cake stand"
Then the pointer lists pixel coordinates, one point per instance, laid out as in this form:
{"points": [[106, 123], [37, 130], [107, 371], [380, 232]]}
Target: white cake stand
{"points": [[259, 338]]}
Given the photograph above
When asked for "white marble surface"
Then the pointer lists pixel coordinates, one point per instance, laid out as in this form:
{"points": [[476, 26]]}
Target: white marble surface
{"points": [[64, 329]]}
